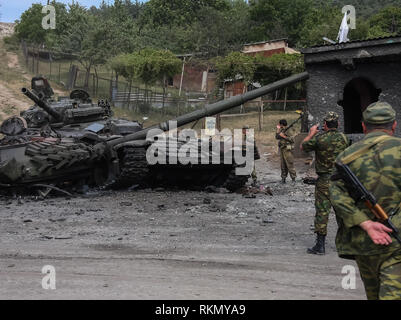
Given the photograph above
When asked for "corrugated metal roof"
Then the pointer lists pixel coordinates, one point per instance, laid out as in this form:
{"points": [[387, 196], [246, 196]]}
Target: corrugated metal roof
{"points": [[352, 44]]}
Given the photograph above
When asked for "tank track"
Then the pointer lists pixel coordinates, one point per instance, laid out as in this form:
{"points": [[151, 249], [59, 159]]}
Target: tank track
{"points": [[136, 171], [134, 168]]}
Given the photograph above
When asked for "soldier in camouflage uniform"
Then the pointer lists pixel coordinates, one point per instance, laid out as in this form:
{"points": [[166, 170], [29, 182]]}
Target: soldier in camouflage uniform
{"points": [[327, 146], [376, 161], [286, 147]]}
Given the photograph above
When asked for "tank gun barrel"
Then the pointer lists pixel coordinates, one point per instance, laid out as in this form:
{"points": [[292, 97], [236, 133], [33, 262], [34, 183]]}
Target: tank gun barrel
{"points": [[215, 108], [42, 104]]}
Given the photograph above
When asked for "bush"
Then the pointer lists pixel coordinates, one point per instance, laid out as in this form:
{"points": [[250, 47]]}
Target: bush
{"points": [[12, 43]]}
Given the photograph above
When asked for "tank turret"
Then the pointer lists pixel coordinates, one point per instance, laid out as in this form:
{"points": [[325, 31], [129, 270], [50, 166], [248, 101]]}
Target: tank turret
{"points": [[42, 104]]}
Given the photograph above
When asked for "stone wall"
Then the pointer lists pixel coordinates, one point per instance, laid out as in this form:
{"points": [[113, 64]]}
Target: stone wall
{"points": [[327, 82]]}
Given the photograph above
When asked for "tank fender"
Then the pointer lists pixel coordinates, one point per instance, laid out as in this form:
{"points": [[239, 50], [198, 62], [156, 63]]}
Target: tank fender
{"points": [[134, 144]]}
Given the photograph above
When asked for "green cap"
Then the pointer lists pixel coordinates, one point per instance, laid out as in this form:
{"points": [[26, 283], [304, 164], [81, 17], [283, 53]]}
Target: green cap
{"points": [[331, 116], [379, 113]]}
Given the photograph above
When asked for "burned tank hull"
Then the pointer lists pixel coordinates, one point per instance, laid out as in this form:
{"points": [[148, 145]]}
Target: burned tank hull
{"points": [[74, 141], [67, 162], [47, 161]]}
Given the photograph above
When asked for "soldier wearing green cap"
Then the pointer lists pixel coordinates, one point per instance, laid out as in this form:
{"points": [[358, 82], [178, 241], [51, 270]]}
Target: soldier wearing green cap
{"points": [[286, 147], [376, 161], [327, 146]]}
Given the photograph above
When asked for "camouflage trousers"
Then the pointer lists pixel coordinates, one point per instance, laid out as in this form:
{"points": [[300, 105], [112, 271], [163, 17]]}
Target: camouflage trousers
{"points": [[381, 275], [322, 204], [287, 163]]}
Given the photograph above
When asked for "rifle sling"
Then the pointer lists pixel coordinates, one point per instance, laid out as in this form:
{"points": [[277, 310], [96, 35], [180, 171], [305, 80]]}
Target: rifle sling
{"points": [[353, 156]]}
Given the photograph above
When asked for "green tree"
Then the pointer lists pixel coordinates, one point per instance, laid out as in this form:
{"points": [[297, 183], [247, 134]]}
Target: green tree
{"points": [[279, 19], [226, 30], [321, 22], [77, 37], [177, 12], [387, 22], [148, 65], [235, 66], [280, 66], [29, 26], [91, 39], [277, 67], [154, 66], [125, 65]]}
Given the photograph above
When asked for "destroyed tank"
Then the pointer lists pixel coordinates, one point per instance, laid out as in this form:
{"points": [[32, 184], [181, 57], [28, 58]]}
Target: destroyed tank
{"points": [[57, 144], [71, 116]]}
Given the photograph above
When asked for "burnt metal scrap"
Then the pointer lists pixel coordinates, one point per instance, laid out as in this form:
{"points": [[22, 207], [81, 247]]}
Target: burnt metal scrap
{"points": [[72, 140]]}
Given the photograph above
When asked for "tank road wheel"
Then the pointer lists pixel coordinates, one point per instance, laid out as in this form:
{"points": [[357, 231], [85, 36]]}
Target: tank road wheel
{"points": [[134, 168]]}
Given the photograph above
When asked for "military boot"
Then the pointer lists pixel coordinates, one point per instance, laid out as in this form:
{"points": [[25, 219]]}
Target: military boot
{"points": [[283, 180], [319, 247]]}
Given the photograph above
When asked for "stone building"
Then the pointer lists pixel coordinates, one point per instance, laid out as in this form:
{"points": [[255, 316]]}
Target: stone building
{"points": [[348, 77]]}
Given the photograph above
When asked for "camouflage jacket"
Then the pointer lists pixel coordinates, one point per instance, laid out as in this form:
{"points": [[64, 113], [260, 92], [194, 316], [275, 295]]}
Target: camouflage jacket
{"points": [[284, 143], [379, 170], [327, 146]]}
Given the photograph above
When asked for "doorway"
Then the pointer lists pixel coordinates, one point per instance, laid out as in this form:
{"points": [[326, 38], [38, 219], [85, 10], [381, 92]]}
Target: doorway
{"points": [[359, 93]]}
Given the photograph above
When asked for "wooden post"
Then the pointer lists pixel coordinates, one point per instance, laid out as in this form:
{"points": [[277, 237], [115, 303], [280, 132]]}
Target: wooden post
{"points": [[285, 99], [93, 85], [26, 53], [129, 93], [50, 60], [59, 72], [37, 64], [242, 105], [164, 94], [97, 85], [182, 76], [218, 122]]}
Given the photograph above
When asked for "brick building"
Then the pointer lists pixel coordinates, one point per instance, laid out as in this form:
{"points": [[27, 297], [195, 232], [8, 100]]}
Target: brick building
{"points": [[196, 77]]}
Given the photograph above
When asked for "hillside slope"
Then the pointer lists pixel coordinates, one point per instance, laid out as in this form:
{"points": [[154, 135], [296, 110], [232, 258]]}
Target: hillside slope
{"points": [[12, 78]]}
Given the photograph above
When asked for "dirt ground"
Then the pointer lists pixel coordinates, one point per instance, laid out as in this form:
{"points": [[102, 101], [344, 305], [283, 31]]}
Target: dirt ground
{"points": [[163, 244]]}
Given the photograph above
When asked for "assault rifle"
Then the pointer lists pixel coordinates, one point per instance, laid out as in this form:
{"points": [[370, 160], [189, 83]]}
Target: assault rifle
{"points": [[359, 193], [301, 115]]}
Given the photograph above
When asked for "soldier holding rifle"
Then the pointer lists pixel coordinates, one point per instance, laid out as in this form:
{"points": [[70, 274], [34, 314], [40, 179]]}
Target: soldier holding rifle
{"points": [[366, 196], [286, 147]]}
